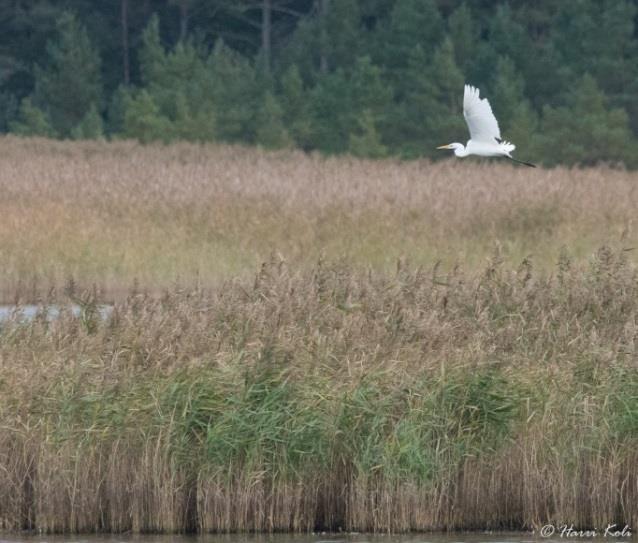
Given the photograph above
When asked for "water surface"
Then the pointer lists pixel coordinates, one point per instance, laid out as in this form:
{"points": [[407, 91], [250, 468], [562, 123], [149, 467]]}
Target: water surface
{"points": [[472, 537], [28, 312]]}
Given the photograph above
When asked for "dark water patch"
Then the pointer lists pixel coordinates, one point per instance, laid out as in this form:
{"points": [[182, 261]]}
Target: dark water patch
{"points": [[465, 537]]}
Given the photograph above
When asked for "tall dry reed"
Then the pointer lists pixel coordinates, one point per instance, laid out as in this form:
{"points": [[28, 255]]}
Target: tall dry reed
{"points": [[331, 397], [114, 213]]}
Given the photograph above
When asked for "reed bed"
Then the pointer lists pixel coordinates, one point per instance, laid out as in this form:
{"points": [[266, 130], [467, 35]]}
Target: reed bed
{"points": [[116, 214], [332, 396], [305, 343]]}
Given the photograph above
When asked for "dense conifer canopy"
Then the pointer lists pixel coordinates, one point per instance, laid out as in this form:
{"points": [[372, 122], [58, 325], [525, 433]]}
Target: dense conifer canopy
{"points": [[367, 77]]}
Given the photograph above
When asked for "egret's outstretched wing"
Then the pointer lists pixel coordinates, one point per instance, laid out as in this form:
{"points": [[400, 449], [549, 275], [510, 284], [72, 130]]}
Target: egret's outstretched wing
{"points": [[479, 117]]}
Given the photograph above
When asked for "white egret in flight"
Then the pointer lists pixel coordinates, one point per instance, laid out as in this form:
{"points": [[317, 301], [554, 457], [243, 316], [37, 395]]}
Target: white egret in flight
{"points": [[485, 136]]}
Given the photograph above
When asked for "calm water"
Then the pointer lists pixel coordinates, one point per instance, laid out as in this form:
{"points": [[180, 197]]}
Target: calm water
{"points": [[471, 537], [286, 538], [28, 312]]}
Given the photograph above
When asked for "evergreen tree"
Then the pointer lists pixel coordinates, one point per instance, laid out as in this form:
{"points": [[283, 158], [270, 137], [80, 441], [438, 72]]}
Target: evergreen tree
{"points": [[236, 93], [462, 32], [191, 124], [183, 82], [340, 34], [506, 93], [143, 120], [432, 109], [508, 37], [270, 131], [304, 51], [412, 23], [587, 132], [8, 110], [371, 98], [599, 37], [117, 109], [338, 104], [447, 89], [296, 111], [615, 65], [367, 88], [181, 85], [366, 141], [26, 27], [152, 55], [329, 41], [523, 130], [31, 121], [517, 120], [68, 83], [330, 108], [91, 127], [548, 80], [410, 121]]}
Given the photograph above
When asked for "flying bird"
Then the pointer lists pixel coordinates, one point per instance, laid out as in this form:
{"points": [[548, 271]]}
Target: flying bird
{"points": [[485, 136]]}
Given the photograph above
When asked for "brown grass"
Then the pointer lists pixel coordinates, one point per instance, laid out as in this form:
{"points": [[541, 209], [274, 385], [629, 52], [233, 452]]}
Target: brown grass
{"points": [[331, 398], [115, 213], [427, 346]]}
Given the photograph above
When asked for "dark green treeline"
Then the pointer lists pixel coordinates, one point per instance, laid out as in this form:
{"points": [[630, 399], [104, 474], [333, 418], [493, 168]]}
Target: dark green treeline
{"points": [[367, 77]]}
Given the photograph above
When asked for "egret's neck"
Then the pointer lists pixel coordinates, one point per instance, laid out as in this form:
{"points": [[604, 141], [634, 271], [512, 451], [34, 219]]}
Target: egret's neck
{"points": [[460, 150]]}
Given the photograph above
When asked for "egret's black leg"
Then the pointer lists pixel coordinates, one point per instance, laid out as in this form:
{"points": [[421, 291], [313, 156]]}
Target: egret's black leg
{"points": [[521, 162]]}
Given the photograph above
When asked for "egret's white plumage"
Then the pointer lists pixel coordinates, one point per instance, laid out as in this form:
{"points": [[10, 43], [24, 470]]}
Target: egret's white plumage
{"points": [[485, 135]]}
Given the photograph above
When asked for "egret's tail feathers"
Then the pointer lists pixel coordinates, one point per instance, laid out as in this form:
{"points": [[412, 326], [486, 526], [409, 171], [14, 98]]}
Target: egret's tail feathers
{"points": [[507, 146]]}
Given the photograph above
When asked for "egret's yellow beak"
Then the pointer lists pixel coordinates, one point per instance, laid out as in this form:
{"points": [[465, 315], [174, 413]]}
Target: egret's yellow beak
{"points": [[448, 146]]}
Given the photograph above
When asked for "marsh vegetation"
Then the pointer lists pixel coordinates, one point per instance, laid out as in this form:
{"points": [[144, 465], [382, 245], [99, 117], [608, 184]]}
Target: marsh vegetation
{"points": [[286, 354], [116, 214]]}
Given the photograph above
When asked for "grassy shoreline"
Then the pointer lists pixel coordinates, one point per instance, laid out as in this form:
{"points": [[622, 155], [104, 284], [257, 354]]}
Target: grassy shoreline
{"points": [[331, 398]]}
